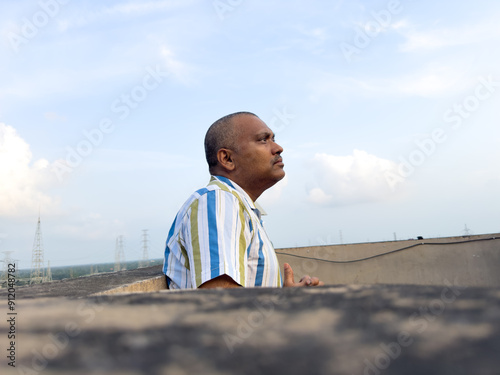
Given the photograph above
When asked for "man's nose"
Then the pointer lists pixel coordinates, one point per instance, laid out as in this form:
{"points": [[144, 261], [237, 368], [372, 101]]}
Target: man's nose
{"points": [[277, 148]]}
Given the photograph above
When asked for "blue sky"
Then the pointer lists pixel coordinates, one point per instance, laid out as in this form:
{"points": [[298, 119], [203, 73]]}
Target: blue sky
{"points": [[388, 113]]}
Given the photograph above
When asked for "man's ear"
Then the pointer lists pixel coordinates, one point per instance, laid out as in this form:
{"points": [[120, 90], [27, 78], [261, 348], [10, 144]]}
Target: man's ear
{"points": [[225, 158]]}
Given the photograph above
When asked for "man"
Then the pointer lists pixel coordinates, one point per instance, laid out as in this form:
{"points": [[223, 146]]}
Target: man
{"points": [[217, 238]]}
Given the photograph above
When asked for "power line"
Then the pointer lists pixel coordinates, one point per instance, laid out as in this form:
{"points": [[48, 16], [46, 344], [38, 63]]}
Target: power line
{"points": [[389, 252]]}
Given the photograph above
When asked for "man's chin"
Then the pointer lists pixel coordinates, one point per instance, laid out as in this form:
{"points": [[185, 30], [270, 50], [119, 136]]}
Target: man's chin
{"points": [[280, 176]]}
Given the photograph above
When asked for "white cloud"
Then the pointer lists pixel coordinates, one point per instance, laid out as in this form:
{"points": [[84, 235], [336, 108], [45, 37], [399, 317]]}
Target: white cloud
{"points": [[315, 36], [21, 180], [426, 40], [131, 8], [138, 160], [432, 80], [53, 116], [351, 179], [318, 196], [181, 71], [88, 79], [141, 7], [47, 80]]}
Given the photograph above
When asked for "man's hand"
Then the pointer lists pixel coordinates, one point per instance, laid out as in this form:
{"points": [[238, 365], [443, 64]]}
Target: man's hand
{"points": [[222, 281], [305, 281]]}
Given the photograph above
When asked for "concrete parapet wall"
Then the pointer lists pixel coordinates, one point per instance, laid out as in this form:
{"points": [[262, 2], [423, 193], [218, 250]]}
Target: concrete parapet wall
{"points": [[468, 261], [148, 279], [94, 327], [371, 329], [471, 261], [154, 284]]}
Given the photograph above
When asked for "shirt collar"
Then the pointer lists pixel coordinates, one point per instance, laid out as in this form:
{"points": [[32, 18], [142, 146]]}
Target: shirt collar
{"points": [[256, 208], [236, 187]]}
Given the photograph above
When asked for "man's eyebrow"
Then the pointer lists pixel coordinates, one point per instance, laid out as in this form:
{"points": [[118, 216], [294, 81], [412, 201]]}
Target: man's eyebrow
{"points": [[265, 133]]}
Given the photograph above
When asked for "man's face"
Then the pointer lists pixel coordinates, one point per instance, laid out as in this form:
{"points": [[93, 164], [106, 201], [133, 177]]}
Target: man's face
{"points": [[258, 157]]}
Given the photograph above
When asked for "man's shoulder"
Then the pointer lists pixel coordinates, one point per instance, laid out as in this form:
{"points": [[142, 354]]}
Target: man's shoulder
{"points": [[222, 187], [214, 186], [221, 183], [202, 197]]}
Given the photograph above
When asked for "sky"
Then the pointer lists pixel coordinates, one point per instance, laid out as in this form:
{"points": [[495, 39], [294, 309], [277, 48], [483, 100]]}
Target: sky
{"points": [[388, 113]]}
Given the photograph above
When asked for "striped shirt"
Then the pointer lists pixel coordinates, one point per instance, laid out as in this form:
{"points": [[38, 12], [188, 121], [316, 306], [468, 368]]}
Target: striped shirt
{"points": [[219, 231]]}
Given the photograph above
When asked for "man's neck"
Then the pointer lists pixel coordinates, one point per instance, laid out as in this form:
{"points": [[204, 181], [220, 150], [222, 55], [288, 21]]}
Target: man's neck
{"points": [[254, 195]]}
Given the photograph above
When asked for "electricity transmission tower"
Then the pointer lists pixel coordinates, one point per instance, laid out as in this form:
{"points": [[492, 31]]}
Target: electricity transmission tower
{"points": [[466, 231], [37, 269], [48, 276], [5, 269], [94, 271], [145, 256], [119, 254]]}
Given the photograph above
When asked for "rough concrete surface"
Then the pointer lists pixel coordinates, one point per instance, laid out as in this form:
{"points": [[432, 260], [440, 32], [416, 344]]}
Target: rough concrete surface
{"points": [[452, 327], [87, 285], [380, 329]]}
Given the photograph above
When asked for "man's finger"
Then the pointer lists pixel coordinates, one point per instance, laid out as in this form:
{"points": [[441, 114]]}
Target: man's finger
{"points": [[316, 282], [304, 281], [289, 279]]}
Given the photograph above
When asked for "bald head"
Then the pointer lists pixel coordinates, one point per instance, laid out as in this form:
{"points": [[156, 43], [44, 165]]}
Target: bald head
{"points": [[223, 133]]}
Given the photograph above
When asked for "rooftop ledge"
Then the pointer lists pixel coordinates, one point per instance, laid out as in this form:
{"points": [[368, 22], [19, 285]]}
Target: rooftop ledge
{"points": [[107, 324], [471, 261]]}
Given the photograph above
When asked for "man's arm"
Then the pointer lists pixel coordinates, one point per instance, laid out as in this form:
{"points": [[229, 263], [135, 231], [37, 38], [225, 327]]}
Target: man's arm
{"points": [[225, 281], [222, 281], [305, 281]]}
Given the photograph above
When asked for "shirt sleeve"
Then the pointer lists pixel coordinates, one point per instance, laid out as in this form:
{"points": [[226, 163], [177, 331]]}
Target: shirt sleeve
{"points": [[218, 229], [176, 260]]}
